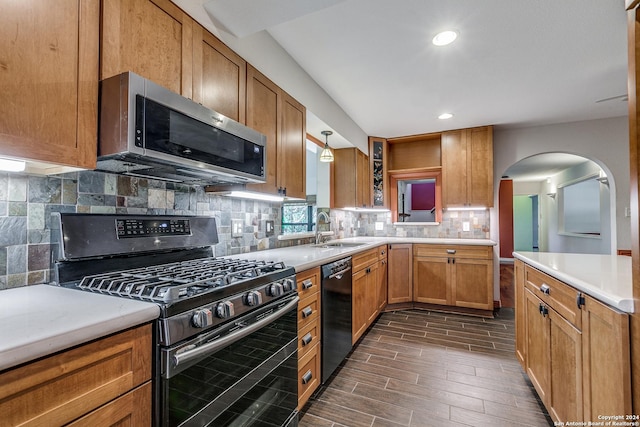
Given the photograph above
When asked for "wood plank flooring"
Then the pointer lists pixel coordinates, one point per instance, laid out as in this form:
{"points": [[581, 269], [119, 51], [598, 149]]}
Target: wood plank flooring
{"points": [[420, 368]]}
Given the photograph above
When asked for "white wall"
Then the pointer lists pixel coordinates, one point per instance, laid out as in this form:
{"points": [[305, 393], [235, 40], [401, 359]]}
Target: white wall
{"points": [[605, 141]]}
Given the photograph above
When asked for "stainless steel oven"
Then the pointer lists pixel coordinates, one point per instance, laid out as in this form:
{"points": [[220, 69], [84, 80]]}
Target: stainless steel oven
{"points": [[240, 374], [226, 340]]}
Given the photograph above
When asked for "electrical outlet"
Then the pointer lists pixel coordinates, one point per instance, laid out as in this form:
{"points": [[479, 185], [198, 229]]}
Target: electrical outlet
{"points": [[268, 228], [236, 228], [379, 225], [465, 226]]}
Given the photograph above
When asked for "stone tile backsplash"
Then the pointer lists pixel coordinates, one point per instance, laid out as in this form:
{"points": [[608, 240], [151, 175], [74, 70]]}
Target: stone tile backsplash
{"points": [[27, 201]]}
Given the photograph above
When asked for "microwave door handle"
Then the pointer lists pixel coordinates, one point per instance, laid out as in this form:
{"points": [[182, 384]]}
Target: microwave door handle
{"points": [[187, 356]]}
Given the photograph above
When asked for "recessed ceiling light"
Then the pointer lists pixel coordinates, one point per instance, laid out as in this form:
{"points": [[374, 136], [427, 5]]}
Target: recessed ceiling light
{"points": [[445, 116], [444, 38]]}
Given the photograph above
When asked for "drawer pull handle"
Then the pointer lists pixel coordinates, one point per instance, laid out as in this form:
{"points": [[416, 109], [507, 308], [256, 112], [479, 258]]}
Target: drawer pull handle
{"points": [[545, 289], [307, 311], [383, 252], [579, 300], [306, 284], [451, 251], [543, 310], [307, 339], [307, 377]]}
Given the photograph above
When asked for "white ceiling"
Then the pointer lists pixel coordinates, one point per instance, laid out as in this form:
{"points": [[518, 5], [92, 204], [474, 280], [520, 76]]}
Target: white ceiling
{"points": [[515, 63]]}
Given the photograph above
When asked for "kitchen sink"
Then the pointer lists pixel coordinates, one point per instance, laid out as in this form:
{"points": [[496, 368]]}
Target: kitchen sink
{"points": [[340, 245]]}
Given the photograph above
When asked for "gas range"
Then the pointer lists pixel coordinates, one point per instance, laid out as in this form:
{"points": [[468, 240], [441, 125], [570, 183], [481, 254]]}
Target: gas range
{"points": [[226, 340], [158, 259]]}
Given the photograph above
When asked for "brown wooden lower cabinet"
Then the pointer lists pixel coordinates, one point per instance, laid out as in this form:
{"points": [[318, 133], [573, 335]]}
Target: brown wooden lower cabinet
{"points": [[106, 380], [400, 273], [575, 354], [309, 334]]}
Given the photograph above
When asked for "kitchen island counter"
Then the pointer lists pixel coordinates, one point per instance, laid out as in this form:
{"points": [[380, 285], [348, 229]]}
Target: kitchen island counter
{"points": [[606, 278], [40, 320]]}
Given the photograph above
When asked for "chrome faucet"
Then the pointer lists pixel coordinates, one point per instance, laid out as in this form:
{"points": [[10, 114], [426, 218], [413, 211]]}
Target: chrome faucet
{"points": [[321, 214]]}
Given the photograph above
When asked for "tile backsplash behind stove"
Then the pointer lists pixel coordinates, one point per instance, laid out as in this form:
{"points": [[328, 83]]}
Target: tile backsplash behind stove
{"points": [[27, 201]]}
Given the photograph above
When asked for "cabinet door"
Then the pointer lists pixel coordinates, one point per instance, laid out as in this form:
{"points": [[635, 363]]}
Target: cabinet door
{"points": [[263, 112], [292, 148], [472, 283], [454, 168], [372, 293], [521, 335], [565, 369], [359, 314], [362, 178], [379, 184], [606, 360], [431, 276], [219, 75], [400, 273], [152, 38], [538, 345], [49, 80], [480, 165], [382, 284]]}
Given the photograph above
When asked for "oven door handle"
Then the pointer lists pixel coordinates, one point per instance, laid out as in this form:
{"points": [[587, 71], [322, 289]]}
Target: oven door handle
{"points": [[214, 346]]}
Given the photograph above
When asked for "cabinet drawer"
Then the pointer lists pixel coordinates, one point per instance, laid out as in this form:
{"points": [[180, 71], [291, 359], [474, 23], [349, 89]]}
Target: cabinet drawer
{"points": [[308, 336], [308, 375], [134, 408], [382, 252], [308, 310], [60, 388], [459, 251], [361, 260], [560, 296], [308, 282]]}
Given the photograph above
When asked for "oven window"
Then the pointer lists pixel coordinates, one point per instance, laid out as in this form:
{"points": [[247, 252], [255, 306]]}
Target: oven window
{"points": [[251, 382]]}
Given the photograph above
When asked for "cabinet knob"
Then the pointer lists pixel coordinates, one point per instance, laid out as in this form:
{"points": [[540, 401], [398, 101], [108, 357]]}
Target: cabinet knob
{"points": [[307, 311], [306, 284], [307, 339], [545, 289], [451, 251], [307, 377]]}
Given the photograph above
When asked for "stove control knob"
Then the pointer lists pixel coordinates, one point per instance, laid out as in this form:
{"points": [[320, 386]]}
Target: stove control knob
{"points": [[202, 318], [288, 285], [275, 290], [253, 298], [224, 310]]}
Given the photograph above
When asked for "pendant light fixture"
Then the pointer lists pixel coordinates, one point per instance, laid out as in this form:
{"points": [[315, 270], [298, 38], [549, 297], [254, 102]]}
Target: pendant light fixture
{"points": [[326, 155]]}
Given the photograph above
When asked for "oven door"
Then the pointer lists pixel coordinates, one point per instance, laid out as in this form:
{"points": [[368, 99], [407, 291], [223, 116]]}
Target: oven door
{"points": [[241, 374]]}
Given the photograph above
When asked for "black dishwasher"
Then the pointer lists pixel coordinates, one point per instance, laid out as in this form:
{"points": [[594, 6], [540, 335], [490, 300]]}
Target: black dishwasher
{"points": [[336, 315]]}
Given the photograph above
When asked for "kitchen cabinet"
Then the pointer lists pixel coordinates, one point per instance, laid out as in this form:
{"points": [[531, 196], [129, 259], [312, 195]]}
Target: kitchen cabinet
{"points": [[152, 38], [400, 273], [455, 275], [467, 167], [378, 168], [49, 63], [368, 285], [606, 361], [309, 324], [219, 75], [108, 380], [351, 179], [518, 273], [575, 350], [283, 120]]}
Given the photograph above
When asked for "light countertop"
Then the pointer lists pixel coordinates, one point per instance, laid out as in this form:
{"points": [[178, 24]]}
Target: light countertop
{"points": [[304, 257], [40, 320], [606, 278]]}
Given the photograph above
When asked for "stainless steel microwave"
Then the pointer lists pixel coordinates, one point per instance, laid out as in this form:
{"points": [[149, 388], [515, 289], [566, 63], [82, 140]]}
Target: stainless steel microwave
{"points": [[148, 131]]}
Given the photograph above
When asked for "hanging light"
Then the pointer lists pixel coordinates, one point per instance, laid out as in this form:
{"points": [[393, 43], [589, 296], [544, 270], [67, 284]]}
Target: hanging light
{"points": [[326, 155]]}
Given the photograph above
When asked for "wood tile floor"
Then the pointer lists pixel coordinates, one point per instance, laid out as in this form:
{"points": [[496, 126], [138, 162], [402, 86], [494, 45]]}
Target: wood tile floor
{"points": [[419, 368]]}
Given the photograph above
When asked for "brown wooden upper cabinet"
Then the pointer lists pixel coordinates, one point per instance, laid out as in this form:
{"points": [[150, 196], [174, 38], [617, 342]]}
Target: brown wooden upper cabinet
{"points": [[152, 38], [282, 119], [467, 167], [351, 179], [49, 79], [219, 75]]}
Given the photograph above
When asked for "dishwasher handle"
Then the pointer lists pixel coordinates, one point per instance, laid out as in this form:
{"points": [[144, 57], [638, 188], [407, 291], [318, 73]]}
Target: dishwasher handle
{"points": [[338, 275]]}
